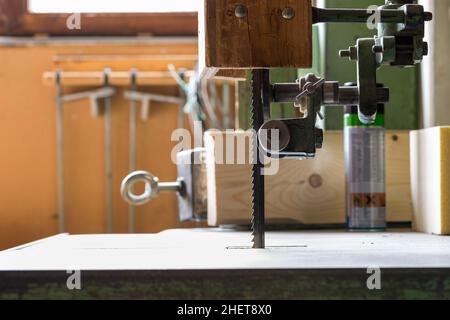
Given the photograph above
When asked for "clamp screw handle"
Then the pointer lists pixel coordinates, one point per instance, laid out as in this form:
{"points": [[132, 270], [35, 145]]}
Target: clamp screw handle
{"points": [[310, 88]]}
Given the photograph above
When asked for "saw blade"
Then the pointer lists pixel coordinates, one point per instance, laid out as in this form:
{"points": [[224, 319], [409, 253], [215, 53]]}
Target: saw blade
{"points": [[259, 106]]}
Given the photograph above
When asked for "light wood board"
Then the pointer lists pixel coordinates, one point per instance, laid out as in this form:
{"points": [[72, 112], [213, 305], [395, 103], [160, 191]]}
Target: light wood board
{"points": [[430, 176], [307, 192]]}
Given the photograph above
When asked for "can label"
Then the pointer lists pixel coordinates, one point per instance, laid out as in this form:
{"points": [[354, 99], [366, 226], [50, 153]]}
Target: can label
{"points": [[365, 176]]}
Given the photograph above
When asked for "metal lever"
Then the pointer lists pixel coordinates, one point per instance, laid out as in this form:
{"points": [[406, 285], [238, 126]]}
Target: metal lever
{"points": [[308, 86], [152, 187]]}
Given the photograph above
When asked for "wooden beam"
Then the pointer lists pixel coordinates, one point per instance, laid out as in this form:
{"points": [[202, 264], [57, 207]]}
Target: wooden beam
{"points": [[87, 70], [11, 13], [116, 78], [261, 38], [156, 62], [309, 192]]}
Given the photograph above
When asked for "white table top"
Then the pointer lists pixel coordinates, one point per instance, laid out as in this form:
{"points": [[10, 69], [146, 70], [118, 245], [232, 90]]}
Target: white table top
{"points": [[212, 249]]}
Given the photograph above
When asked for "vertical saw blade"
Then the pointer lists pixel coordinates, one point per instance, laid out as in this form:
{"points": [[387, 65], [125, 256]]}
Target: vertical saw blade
{"points": [[260, 107]]}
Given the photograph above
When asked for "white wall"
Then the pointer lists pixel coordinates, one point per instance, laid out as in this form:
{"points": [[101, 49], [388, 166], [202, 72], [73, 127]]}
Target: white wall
{"points": [[436, 67]]}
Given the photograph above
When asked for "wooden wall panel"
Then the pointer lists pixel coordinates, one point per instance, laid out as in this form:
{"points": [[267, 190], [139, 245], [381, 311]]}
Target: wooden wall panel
{"points": [[28, 148]]}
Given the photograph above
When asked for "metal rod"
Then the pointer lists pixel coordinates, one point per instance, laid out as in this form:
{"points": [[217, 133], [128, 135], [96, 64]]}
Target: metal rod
{"points": [[328, 15], [60, 152], [287, 92], [133, 151], [170, 186], [138, 96], [226, 105], [237, 124], [108, 158], [183, 100], [101, 93]]}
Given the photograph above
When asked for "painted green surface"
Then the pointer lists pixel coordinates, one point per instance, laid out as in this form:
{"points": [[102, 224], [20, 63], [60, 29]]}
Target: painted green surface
{"points": [[402, 113], [326, 286], [352, 120]]}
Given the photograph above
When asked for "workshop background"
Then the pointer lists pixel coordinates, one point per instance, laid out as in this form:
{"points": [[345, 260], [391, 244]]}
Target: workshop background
{"points": [[34, 45]]}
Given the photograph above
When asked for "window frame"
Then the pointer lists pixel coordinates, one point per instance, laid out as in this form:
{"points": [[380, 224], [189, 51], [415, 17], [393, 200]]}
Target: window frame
{"points": [[17, 20]]}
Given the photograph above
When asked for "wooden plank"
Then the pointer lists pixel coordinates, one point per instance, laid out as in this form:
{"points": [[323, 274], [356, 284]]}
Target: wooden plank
{"points": [[261, 39], [430, 176], [308, 192], [156, 62]]}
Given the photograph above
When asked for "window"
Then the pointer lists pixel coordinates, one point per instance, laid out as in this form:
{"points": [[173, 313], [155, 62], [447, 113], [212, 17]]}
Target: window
{"points": [[105, 18], [112, 6]]}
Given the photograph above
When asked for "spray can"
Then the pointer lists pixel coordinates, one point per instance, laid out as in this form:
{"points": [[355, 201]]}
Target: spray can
{"points": [[364, 149]]}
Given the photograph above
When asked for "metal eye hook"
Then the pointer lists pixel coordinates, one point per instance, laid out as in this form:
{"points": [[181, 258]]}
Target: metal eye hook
{"points": [[151, 188]]}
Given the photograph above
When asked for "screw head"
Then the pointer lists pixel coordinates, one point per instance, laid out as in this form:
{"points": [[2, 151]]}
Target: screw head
{"points": [[428, 16], [240, 11], [288, 13], [350, 53], [344, 53]]}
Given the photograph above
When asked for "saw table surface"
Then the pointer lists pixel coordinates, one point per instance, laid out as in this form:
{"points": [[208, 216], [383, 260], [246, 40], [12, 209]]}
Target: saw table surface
{"points": [[223, 261], [210, 249]]}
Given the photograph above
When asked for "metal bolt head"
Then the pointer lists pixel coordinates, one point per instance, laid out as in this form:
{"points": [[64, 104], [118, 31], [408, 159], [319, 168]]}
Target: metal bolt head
{"points": [[240, 11], [288, 13], [377, 49], [425, 49]]}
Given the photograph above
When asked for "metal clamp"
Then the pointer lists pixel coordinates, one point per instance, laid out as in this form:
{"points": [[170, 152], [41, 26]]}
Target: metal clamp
{"points": [[147, 98], [152, 187], [93, 96]]}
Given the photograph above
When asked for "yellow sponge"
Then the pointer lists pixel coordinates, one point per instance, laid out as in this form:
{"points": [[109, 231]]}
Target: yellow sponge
{"points": [[430, 180]]}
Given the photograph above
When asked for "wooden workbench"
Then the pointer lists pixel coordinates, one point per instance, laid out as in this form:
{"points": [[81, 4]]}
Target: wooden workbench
{"points": [[212, 263]]}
